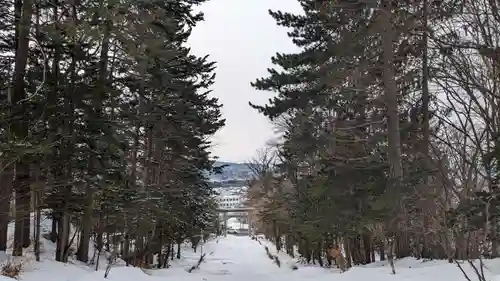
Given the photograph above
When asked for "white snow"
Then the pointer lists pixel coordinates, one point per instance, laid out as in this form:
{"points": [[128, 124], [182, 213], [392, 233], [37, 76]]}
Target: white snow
{"points": [[237, 258]]}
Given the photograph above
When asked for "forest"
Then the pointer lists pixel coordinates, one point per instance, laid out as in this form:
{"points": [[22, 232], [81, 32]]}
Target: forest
{"points": [[390, 121], [105, 125]]}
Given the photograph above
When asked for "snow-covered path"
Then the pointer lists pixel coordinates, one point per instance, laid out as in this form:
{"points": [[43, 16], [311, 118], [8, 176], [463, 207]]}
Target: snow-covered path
{"points": [[241, 259], [231, 258], [236, 255]]}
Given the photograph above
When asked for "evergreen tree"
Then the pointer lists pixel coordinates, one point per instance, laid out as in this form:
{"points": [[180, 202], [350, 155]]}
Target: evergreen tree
{"points": [[348, 141]]}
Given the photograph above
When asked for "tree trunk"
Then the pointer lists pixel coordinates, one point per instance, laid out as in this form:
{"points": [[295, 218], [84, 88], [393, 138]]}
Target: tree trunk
{"points": [[167, 254], [63, 236], [37, 230], [318, 253], [27, 219], [382, 252], [20, 128], [427, 204], [307, 250], [53, 233], [373, 254], [367, 248], [390, 255], [84, 245], [161, 259], [6, 177], [391, 100], [277, 236], [38, 212], [126, 245], [106, 243], [402, 245], [348, 254], [21, 185]]}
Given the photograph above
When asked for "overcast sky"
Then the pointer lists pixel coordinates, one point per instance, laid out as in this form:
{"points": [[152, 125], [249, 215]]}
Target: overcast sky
{"points": [[241, 37]]}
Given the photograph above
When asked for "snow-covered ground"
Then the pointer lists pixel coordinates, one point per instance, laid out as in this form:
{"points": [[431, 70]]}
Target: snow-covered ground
{"points": [[242, 259], [236, 258]]}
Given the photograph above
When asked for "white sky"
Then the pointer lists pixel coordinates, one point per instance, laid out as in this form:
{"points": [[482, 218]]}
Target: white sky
{"points": [[241, 37]]}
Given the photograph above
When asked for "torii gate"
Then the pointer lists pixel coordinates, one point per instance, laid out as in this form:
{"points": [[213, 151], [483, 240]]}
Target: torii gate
{"points": [[245, 210]]}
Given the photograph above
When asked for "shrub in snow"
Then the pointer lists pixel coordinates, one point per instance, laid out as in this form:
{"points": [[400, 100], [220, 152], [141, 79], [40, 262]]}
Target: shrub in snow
{"points": [[11, 269], [277, 261], [336, 253], [202, 257], [111, 261], [273, 257], [269, 253]]}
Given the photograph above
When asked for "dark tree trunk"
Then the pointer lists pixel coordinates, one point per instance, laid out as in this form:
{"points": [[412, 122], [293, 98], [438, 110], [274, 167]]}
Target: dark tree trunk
{"points": [[62, 237], [126, 245], [402, 246], [6, 178], [53, 233], [367, 247], [382, 252], [27, 224], [84, 247], [38, 215], [23, 10], [21, 185], [348, 252], [318, 253]]}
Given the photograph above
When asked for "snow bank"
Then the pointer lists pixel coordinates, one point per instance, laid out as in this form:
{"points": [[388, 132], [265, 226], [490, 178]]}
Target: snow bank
{"points": [[236, 258]]}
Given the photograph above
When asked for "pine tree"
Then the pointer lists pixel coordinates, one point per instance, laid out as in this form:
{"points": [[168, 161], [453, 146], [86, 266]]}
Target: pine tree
{"points": [[344, 95]]}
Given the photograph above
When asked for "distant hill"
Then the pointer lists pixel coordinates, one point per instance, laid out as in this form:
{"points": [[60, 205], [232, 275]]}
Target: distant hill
{"points": [[233, 173]]}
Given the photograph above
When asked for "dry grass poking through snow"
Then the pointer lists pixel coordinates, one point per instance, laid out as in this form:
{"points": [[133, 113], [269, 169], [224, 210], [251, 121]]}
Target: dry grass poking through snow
{"points": [[12, 269]]}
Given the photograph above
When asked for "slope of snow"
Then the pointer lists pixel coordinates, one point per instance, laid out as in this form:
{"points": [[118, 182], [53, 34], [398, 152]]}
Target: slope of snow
{"points": [[48, 268], [237, 258]]}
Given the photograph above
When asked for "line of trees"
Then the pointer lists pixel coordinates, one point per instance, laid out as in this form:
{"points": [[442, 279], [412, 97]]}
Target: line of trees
{"points": [[390, 119], [105, 120]]}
